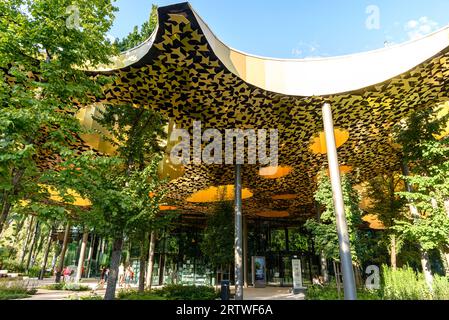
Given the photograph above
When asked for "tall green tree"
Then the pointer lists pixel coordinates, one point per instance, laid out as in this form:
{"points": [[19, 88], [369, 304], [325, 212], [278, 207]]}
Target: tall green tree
{"points": [[388, 207], [136, 37], [43, 46], [218, 237], [426, 155], [325, 230]]}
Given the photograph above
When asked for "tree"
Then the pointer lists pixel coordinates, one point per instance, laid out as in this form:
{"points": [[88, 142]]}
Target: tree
{"points": [[426, 156], [325, 230], [136, 37], [218, 237], [40, 59], [388, 207]]}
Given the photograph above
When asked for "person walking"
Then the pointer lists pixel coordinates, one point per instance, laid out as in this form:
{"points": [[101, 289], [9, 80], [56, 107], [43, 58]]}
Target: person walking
{"points": [[129, 276], [121, 275], [66, 274]]}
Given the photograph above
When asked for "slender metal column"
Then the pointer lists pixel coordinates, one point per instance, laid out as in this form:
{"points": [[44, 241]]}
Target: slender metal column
{"points": [[238, 234], [342, 227], [245, 252]]}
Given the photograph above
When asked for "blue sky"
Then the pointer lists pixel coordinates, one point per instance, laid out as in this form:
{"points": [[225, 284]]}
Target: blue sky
{"points": [[303, 28]]}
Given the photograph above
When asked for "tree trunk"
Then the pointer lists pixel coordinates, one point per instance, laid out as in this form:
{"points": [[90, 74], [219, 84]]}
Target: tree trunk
{"points": [[55, 256], [323, 264], [142, 264], [425, 263], [393, 252], [27, 240], [19, 227], [33, 242], [150, 265], [62, 254], [80, 267], [89, 255], [38, 247], [6, 202], [103, 244], [47, 250], [116, 255], [6, 207], [161, 268]]}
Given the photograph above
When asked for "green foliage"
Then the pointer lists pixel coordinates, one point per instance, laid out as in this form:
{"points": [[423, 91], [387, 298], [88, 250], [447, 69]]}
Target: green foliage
{"points": [[440, 287], [67, 287], [180, 292], [171, 292], [428, 159], [134, 295], [136, 37], [14, 289], [331, 293], [15, 267], [92, 297], [218, 237], [325, 231], [41, 58], [407, 284], [404, 284]]}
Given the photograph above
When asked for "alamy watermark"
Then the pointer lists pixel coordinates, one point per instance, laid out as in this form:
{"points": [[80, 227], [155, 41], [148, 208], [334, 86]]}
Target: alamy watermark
{"points": [[372, 282], [73, 19], [373, 20], [259, 149]]}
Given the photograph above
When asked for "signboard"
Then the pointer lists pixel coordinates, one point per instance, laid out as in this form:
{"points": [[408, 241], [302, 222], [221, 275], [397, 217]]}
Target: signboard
{"points": [[297, 274], [259, 272]]}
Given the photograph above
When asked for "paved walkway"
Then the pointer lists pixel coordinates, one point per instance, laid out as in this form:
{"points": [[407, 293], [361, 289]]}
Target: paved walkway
{"points": [[271, 293], [268, 293]]}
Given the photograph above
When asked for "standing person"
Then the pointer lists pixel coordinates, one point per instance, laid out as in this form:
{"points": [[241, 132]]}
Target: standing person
{"points": [[106, 275], [102, 277], [121, 275], [66, 273], [129, 276]]}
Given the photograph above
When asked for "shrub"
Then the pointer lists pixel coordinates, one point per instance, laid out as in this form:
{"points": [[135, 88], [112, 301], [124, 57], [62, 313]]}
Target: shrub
{"points": [[92, 297], [440, 288], [180, 292], [134, 295], [15, 289], [12, 266], [171, 292], [404, 284], [34, 272], [331, 293], [67, 287]]}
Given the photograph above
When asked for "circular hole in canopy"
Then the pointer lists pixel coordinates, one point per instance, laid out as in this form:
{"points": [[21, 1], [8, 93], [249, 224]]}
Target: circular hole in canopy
{"points": [[216, 194]]}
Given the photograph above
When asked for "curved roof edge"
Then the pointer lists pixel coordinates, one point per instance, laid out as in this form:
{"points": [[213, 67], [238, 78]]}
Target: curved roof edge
{"points": [[308, 77]]}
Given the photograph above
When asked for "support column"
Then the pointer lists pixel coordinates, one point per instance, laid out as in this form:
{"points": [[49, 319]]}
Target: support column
{"points": [[238, 233], [245, 252], [342, 227], [79, 269]]}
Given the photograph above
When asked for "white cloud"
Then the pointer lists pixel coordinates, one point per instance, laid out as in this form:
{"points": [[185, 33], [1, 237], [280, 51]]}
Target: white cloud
{"points": [[418, 28]]}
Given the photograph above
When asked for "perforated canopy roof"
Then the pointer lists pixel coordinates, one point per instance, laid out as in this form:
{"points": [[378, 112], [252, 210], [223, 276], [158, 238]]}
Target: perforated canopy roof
{"points": [[184, 71]]}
